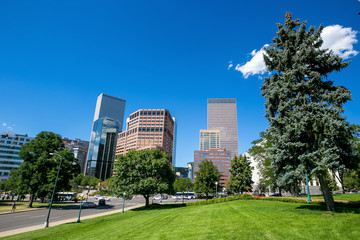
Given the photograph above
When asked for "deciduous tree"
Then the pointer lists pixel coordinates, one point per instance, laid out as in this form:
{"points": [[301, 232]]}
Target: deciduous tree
{"points": [[206, 177], [37, 174], [183, 184], [143, 172], [241, 173]]}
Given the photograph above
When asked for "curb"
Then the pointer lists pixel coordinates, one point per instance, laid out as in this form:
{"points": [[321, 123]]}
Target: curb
{"points": [[41, 226]]}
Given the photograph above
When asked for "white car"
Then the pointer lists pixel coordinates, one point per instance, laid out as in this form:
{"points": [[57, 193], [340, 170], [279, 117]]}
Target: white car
{"points": [[105, 198], [156, 198]]}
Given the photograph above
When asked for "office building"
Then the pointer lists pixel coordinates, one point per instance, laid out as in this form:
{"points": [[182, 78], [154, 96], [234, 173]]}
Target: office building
{"points": [[222, 116], [181, 172], [219, 157], [108, 122], [10, 146], [174, 143], [148, 129], [209, 139], [80, 150]]}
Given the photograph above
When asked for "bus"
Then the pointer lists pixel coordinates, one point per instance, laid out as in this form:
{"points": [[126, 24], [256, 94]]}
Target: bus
{"points": [[184, 195]]}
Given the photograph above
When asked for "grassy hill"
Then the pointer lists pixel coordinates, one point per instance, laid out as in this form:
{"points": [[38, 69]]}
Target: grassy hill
{"points": [[243, 219]]}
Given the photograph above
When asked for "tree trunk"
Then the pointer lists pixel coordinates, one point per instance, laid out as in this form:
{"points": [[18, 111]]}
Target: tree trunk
{"points": [[31, 200], [146, 201], [329, 200]]}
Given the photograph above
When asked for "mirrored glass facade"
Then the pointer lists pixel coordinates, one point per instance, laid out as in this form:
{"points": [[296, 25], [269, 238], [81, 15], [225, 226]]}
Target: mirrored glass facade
{"points": [[103, 136]]}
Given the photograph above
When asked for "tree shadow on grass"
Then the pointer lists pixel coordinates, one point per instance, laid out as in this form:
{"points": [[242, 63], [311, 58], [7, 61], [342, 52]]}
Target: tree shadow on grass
{"points": [[339, 207], [155, 206]]}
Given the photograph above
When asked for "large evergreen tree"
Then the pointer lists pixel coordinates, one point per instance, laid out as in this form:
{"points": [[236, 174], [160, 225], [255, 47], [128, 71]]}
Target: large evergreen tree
{"points": [[241, 173], [206, 178], [304, 108], [143, 172]]}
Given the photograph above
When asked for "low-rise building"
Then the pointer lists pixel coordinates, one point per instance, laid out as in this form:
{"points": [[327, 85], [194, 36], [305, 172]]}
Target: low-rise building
{"points": [[80, 149], [219, 157], [10, 146]]}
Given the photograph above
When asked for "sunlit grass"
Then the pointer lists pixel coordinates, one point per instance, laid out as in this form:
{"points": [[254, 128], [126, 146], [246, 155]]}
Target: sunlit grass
{"points": [[243, 219]]}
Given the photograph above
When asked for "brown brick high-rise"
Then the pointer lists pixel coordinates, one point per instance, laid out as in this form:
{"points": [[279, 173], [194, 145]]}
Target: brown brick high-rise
{"points": [[147, 129]]}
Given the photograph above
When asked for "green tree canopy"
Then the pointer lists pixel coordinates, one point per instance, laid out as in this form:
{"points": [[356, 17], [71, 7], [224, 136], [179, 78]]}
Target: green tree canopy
{"points": [[183, 184], [206, 177], [304, 108], [143, 172], [37, 174], [241, 173]]}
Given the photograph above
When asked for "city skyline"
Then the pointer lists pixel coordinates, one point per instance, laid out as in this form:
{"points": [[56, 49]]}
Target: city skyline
{"points": [[58, 56]]}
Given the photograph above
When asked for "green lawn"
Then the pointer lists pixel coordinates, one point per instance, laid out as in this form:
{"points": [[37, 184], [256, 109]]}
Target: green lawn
{"points": [[244, 219], [348, 197]]}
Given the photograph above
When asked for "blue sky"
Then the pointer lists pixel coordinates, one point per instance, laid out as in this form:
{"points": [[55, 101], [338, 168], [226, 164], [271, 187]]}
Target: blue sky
{"points": [[56, 57]]}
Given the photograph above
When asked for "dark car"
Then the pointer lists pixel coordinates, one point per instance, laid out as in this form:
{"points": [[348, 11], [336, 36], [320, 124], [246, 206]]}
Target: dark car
{"points": [[89, 205], [275, 195], [259, 195], [102, 202]]}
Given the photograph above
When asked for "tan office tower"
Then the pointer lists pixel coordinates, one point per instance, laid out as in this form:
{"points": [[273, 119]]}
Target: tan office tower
{"points": [[222, 116], [148, 129], [209, 139]]}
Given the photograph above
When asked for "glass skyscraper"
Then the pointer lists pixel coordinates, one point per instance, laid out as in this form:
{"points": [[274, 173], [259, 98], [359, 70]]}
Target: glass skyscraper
{"points": [[222, 116], [108, 122]]}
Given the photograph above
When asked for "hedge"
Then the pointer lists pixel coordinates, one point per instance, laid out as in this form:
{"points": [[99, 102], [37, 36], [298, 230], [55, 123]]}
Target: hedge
{"points": [[247, 197]]}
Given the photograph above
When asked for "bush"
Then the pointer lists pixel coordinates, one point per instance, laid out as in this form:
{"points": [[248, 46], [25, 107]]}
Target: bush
{"points": [[247, 197]]}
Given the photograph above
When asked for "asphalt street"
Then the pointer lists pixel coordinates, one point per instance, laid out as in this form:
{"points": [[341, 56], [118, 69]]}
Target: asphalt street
{"points": [[31, 218], [36, 217]]}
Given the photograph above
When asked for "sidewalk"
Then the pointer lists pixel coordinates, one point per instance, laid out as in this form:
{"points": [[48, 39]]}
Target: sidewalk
{"points": [[36, 227]]}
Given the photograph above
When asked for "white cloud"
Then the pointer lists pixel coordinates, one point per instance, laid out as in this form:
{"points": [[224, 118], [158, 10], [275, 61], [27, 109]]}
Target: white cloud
{"points": [[340, 40], [10, 128], [337, 38], [230, 66], [4, 124], [256, 65]]}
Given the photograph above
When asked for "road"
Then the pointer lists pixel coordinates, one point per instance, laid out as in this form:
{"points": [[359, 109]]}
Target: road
{"points": [[31, 218], [37, 217]]}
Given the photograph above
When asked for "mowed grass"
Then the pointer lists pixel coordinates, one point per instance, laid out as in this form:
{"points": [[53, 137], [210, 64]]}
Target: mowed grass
{"points": [[347, 197], [243, 219]]}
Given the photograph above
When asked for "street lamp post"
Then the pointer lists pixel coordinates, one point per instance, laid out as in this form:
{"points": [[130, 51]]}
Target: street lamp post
{"points": [[52, 196], [123, 202], [216, 183], [82, 195], [307, 187]]}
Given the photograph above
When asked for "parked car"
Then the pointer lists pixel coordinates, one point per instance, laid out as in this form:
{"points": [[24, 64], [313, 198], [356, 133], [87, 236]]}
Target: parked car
{"points": [[259, 195], [353, 191], [96, 197], [105, 198], [275, 195], [102, 202], [156, 198], [88, 205]]}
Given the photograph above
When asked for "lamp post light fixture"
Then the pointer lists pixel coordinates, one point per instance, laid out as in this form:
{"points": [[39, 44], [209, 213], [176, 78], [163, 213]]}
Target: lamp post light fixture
{"points": [[52, 196], [307, 187], [82, 195], [123, 202], [216, 183]]}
